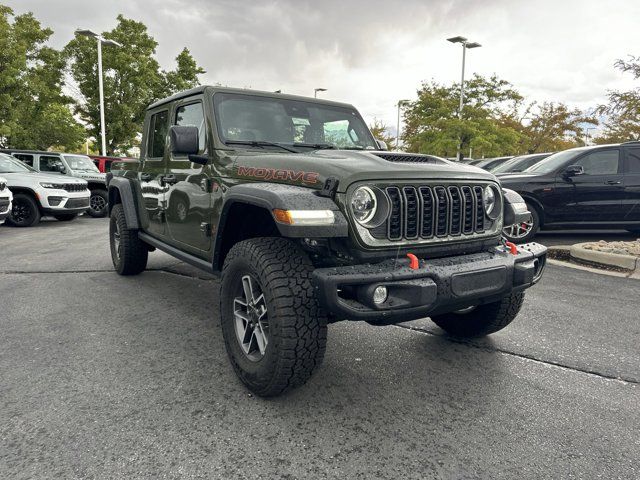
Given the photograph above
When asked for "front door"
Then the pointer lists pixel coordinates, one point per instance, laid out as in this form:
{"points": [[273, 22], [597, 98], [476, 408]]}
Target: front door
{"points": [[188, 187], [599, 191], [154, 162]]}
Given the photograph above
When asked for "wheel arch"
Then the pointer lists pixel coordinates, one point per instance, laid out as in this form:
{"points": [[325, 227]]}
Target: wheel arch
{"points": [[120, 191], [536, 204]]}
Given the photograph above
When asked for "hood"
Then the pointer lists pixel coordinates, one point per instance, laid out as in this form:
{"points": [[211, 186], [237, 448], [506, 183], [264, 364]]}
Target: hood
{"points": [[516, 177], [19, 179], [349, 166]]}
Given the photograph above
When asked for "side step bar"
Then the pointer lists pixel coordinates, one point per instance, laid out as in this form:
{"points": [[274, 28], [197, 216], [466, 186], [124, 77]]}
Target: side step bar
{"points": [[174, 252]]}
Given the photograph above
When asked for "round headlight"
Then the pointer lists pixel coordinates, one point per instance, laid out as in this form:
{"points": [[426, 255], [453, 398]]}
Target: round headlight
{"points": [[491, 203], [363, 204]]}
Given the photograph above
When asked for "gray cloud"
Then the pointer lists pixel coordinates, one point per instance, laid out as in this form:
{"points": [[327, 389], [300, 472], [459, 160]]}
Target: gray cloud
{"points": [[373, 52]]}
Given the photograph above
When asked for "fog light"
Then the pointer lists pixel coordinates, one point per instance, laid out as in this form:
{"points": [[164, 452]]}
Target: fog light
{"points": [[380, 295]]}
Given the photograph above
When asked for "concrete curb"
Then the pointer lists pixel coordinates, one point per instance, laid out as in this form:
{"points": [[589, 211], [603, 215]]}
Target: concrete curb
{"points": [[628, 262]]}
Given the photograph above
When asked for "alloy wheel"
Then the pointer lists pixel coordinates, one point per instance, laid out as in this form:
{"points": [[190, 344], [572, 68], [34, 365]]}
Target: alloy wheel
{"points": [[97, 203], [251, 319], [519, 230]]}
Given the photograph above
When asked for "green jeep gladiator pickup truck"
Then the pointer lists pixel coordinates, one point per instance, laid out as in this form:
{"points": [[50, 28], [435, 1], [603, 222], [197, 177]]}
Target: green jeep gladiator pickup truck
{"points": [[309, 220]]}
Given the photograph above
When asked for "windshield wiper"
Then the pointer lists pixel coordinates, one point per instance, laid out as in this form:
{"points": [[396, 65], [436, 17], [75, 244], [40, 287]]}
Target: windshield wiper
{"points": [[261, 143], [317, 146]]}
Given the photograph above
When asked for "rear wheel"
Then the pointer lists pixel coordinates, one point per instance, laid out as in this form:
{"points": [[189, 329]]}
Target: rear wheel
{"points": [[128, 253], [483, 319], [523, 232], [274, 330], [66, 217], [98, 203], [25, 211]]}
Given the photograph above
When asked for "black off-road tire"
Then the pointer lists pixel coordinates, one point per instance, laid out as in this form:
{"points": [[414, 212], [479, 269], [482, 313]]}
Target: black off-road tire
{"points": [[26, 211], [297, 334], [98, 198], [67, 217], [482, 320], [131, 256]]}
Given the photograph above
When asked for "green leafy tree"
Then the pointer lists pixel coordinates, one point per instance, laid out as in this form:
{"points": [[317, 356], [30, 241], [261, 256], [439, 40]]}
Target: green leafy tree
{"points": [[381, 132], [623, 110], [554, 127], [432, 123], [132, 81], [34, 113]]}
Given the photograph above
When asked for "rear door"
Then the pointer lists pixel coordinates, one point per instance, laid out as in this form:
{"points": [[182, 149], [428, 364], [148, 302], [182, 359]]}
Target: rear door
{"points": [[597, 195], [631, 200], [188, 187], [154, 161]]}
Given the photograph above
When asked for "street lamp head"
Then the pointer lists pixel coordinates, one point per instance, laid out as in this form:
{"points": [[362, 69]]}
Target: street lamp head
{"points": [[457, 39], [473, 45], [106, 41], [402, 103], [320, 90], [86, 33]]}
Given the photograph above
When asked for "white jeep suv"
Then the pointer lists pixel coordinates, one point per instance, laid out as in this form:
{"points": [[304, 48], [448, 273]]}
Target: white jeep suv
{"points": [[5, 200], [36, 194]]}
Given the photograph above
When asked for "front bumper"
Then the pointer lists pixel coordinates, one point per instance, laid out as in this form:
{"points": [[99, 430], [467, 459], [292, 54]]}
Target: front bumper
{"points": [[54, 201], [5, 206], [437, 286]]}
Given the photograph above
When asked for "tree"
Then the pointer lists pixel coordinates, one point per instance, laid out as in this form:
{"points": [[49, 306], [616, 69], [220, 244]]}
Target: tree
{"points": [[381, 132], [432, 123], [554, 127], [34, 113], [623, 110], [132, 81]]}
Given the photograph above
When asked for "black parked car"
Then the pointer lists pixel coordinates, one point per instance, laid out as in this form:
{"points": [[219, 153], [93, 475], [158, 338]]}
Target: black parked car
{"points": [[519, 163], [586, 187]]}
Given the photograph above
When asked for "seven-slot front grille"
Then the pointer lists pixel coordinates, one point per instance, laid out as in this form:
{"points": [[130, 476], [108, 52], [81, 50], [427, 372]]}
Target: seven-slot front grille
{"points": [[428, 212], [75, 187]]}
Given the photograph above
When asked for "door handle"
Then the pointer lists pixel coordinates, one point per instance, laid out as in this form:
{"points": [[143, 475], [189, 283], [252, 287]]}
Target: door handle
{"points": [[613, 182], [169, 180], [145, 177]]}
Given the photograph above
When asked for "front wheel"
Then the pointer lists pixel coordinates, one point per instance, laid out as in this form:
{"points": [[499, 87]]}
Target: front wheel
{"points": [[25, 211], [274, 330], [523, 232], [483, 319], [129, 254], [98, 203]]}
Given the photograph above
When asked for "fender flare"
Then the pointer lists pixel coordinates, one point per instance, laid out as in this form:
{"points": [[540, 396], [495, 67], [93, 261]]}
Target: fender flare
{"points": [[127, 198], [272, 196]]}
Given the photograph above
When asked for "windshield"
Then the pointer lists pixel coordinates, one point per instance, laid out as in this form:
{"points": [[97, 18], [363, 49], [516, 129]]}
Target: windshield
{"points": [[80, 162], [9, 164], [554, 162], [257, 121]]}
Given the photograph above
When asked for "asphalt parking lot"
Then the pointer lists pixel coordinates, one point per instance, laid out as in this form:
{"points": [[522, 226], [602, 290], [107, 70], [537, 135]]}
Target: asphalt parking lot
{"points": [[112, 377]]}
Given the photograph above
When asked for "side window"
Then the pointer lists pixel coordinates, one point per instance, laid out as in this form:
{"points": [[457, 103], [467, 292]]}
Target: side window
{"points": [[600, 163], [633, 160], [50, 164], [23, 157], [193, 115], [158, 128]]}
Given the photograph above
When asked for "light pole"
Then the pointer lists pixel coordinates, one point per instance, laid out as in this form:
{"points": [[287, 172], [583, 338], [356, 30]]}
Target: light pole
{"points": [[401, 103], [101, 40], [465, 44], [587, 134], [316, 90]]}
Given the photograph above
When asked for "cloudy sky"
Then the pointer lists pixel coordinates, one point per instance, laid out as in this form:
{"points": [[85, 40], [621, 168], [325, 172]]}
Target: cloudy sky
{"points": [[372, 53]]}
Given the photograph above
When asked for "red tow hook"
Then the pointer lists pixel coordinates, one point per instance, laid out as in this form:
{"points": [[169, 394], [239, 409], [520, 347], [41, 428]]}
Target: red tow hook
{"points": [[413, 261], [512, 247]]}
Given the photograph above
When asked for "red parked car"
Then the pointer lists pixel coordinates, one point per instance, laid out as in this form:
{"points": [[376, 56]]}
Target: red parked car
{"points": [[104, 163]]}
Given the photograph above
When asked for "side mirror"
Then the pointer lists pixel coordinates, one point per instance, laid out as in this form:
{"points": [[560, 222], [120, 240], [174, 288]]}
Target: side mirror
{"points": [[59, 168], [184, 140], [381, 145], [573, 170]]}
